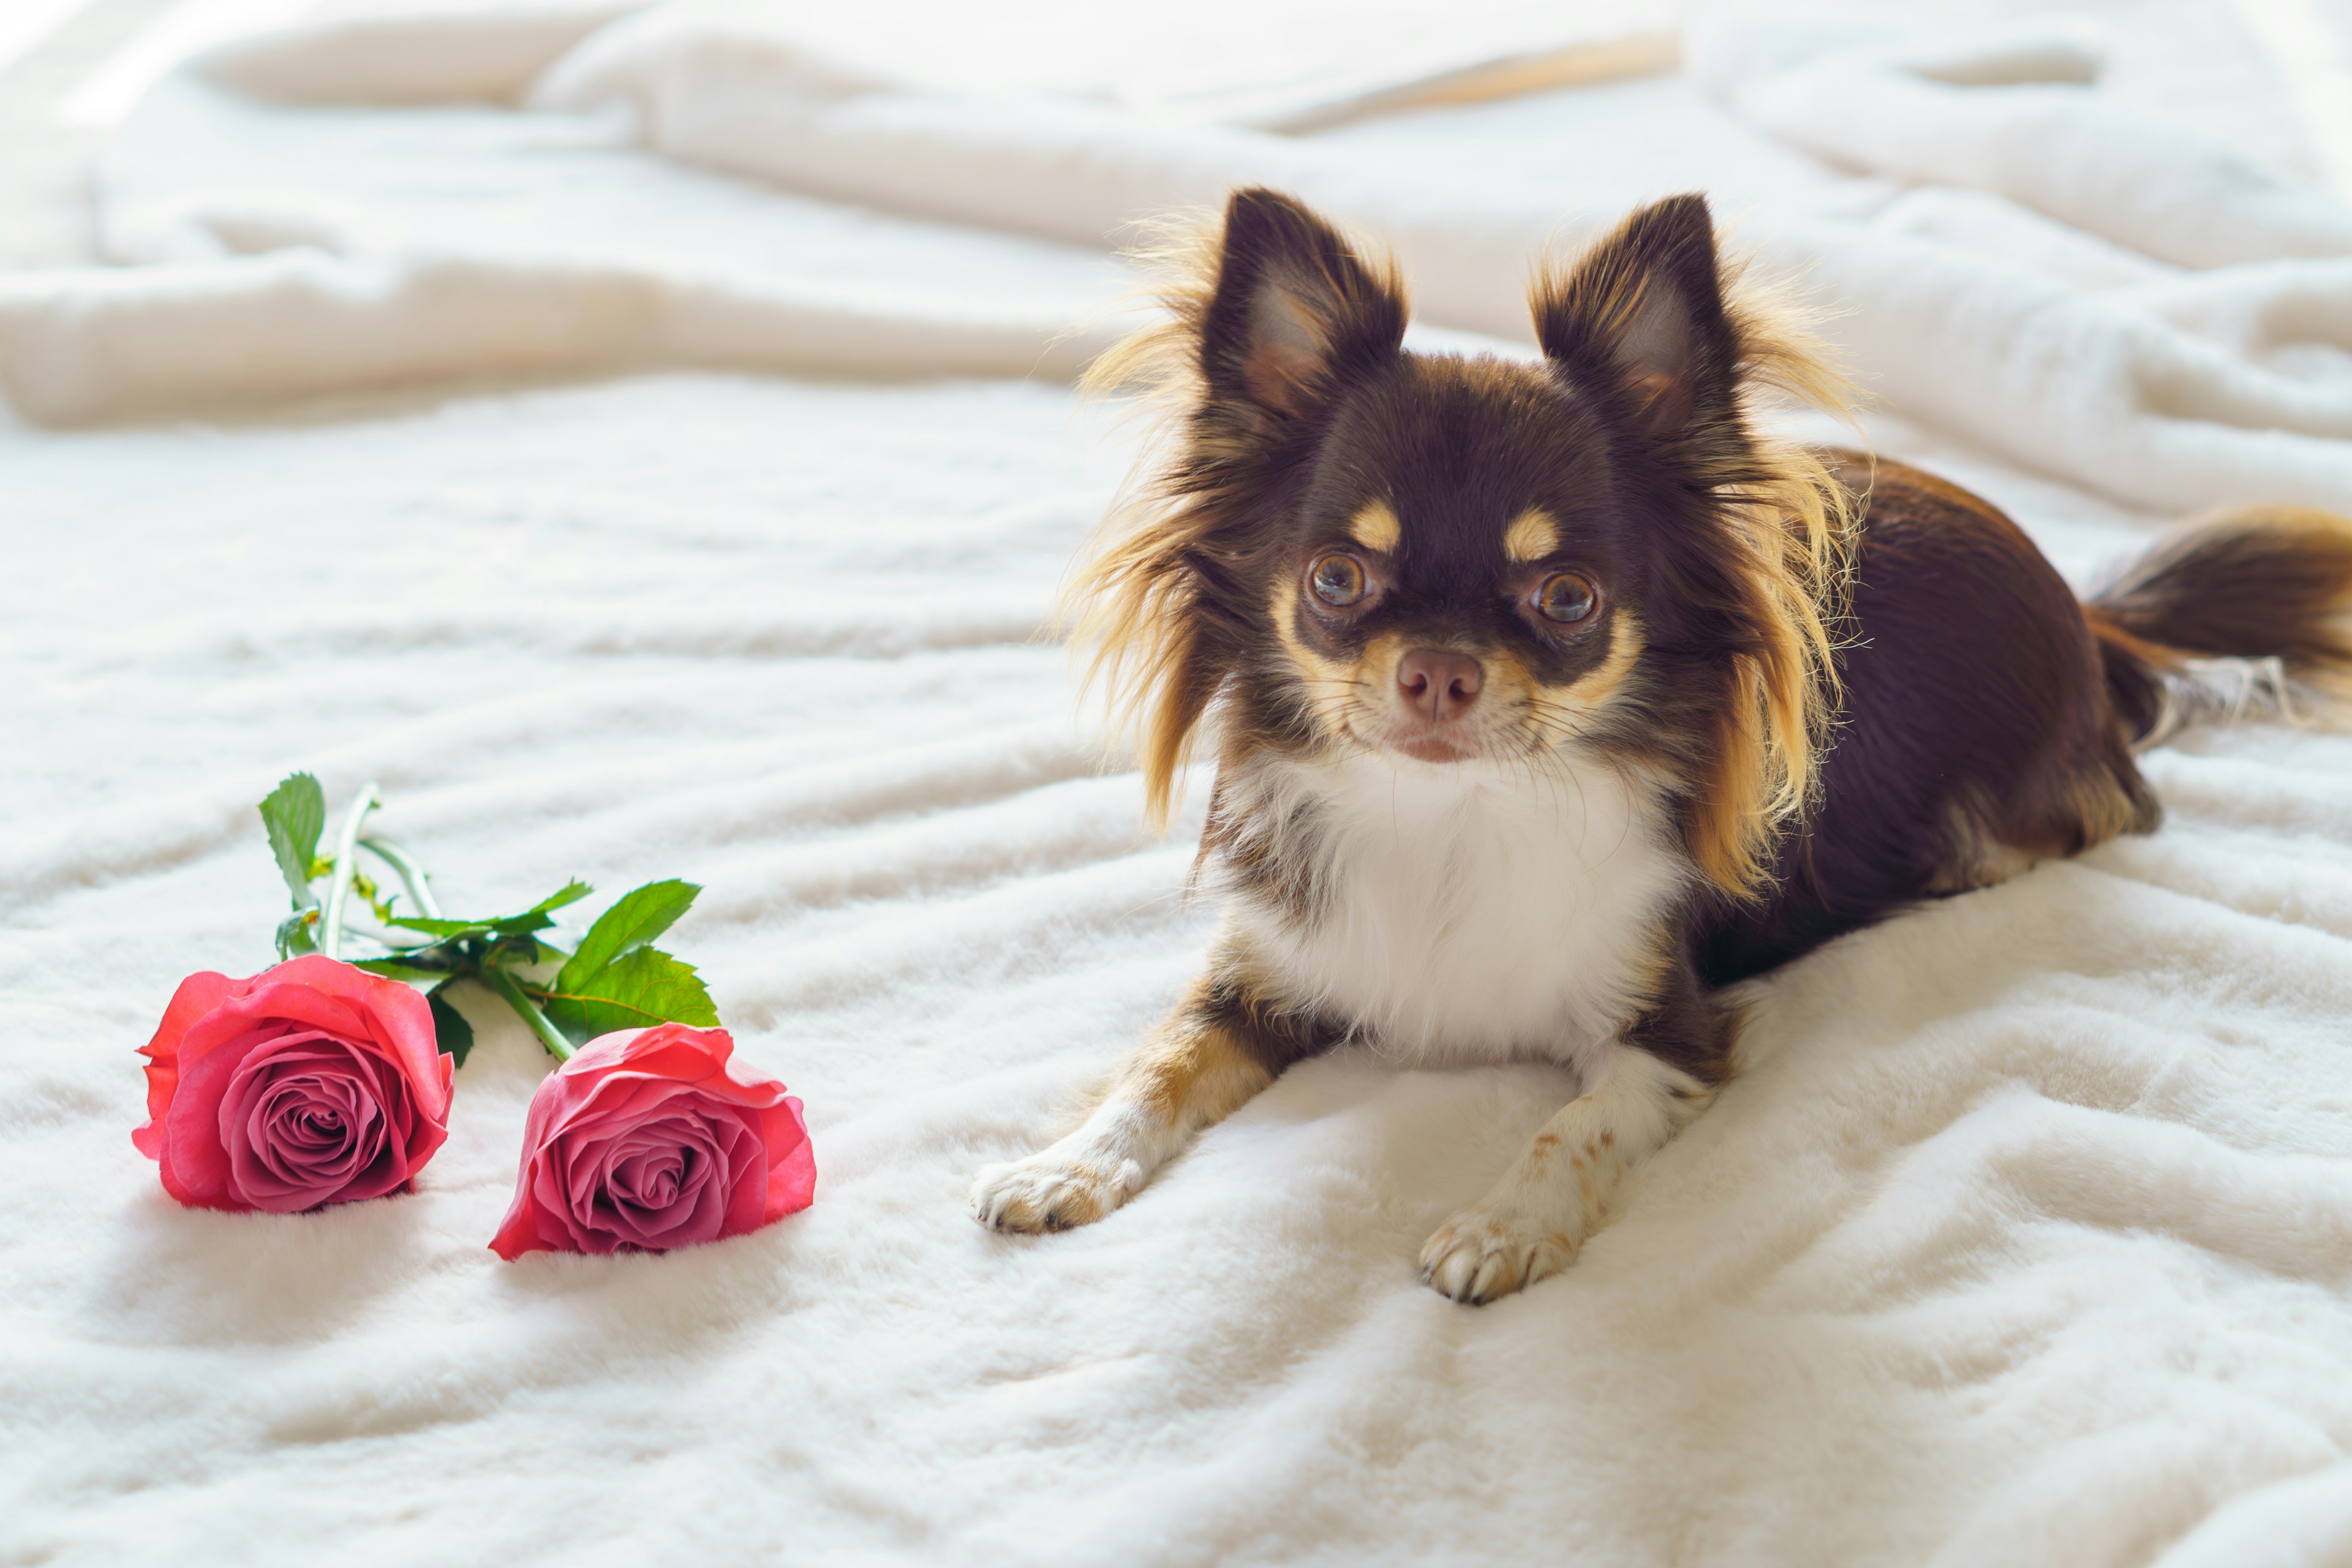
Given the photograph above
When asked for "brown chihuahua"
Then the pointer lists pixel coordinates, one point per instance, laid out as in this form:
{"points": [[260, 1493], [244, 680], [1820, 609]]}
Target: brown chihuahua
{"points": [[1550, 698]]}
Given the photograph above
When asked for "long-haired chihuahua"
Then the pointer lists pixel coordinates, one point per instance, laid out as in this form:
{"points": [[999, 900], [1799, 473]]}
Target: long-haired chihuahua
{"points": [[1549, 698]]}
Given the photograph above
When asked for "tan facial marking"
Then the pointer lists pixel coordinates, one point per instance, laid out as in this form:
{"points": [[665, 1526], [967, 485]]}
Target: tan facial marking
{"points": [[1531, 536], [1625, 645], [1329, 682], [1376, 528]]}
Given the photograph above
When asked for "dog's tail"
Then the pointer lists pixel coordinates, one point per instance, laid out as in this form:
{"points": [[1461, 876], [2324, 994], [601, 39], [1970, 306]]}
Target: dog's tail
{"points": [[2246, 613]]}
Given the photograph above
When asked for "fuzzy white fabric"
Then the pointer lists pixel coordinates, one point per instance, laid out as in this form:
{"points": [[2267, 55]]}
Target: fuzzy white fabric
{"points": [[2026, 1239], [2187, 391]]}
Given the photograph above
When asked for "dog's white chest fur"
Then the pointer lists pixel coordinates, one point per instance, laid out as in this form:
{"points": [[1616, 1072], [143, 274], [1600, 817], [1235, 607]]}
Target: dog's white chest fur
{"points": [[1466, 912]]}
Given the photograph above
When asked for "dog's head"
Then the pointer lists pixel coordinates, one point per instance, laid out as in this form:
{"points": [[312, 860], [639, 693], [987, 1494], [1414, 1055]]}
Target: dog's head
{"points": [[1451, 561]]}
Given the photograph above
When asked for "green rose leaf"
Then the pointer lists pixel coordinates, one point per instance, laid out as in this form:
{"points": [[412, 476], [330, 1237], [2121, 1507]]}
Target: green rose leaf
{"points": [[442, 930], [571, 892], [422, 976], [642, 987], [640, 916], [294, 815], [294, 935], [450, 1030], [535, 917]]}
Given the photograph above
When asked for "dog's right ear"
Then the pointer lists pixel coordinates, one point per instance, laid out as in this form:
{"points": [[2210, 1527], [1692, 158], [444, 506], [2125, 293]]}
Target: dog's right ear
{"points": [[1296, 312], [1261, 321]]}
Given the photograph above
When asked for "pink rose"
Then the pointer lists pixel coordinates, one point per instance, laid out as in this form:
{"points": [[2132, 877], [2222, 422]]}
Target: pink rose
{"points": [[648, 1140], [310, 1083]]}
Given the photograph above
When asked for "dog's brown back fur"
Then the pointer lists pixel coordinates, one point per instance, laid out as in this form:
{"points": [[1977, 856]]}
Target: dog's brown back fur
{"points": [[1975, 734]]}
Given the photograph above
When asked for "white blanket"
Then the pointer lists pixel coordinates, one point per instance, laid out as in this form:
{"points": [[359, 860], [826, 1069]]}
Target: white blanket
{"points": [[2026, 1238]]}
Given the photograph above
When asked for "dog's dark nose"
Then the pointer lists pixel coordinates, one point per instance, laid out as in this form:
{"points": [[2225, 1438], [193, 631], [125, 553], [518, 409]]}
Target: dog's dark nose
{"points": [[1440, 683]]}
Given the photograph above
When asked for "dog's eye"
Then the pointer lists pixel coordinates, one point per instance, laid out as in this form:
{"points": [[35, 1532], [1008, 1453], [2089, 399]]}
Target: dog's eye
{"points": [[1337, 579], [1568, 598]]}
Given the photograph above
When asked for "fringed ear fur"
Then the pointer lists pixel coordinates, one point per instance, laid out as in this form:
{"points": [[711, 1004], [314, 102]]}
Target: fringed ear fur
{"points": [[1675, 344], [1639, 320], [1269, 311], [1295, 308], [1265, 314]]}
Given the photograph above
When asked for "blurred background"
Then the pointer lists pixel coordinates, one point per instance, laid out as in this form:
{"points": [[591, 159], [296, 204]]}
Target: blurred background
{"points": [[2272, 77]]}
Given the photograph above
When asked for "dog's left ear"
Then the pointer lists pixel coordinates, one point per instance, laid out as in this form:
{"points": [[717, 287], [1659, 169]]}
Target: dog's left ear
{"points": [[1297, 309], [1638, 321]]}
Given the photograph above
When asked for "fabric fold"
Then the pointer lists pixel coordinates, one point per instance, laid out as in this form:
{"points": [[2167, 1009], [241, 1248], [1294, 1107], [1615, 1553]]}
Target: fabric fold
{"points": [[89, 345], [2047, 316]]}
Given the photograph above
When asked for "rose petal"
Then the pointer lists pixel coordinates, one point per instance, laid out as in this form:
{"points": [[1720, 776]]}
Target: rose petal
{"points": [[696, 1211], [792, 1181], [655, 1138], [348, 1004], [221, 1136], [695, 1215], [271, 1168], [198, 995], [194, 1161]]}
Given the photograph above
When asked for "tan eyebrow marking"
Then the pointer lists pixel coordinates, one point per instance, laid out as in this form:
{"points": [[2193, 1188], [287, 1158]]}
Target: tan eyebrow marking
{"points": [[1376, 528], [1531, 536]]}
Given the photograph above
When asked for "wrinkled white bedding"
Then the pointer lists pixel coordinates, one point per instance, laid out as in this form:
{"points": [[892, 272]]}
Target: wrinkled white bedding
{"points": [[2027, 1239]]}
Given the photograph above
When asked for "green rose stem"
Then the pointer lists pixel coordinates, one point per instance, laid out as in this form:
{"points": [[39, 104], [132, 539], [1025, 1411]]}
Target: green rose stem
{"points": [[496, 977], [613, 972], [346, 864], [418, 881], [412, 875]]}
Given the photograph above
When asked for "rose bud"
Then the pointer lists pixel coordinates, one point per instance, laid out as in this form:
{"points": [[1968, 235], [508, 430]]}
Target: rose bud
{"points": [[310, 1083], [648, 1140]]}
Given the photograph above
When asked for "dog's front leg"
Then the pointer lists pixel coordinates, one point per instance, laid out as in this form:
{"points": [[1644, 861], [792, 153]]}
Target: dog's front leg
{"points": [[1211, 1053], [1537, 1216]]}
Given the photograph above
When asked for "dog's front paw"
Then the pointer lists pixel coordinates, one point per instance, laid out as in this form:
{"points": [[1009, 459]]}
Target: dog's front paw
{"points": [[1489, 1250], [1051, 1190]]}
